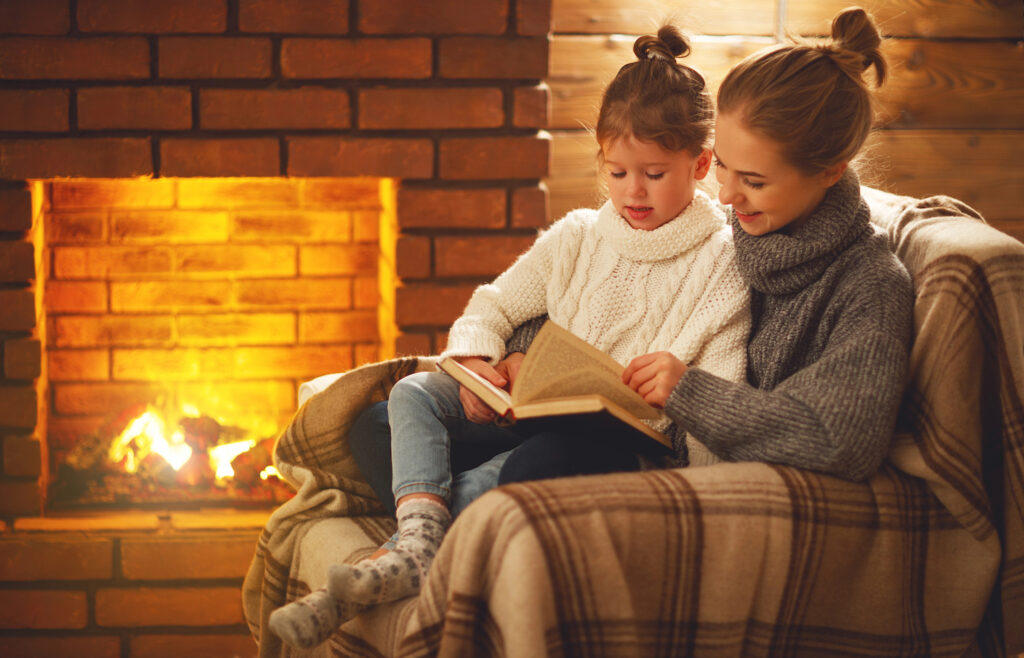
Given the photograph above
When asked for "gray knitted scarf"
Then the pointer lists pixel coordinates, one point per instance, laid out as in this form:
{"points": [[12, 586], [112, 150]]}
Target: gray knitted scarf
{"points": [[783, 263]]}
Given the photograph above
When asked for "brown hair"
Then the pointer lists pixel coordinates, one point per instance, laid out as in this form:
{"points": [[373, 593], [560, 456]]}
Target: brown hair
{"points": [[656, 99], [812, 100]]}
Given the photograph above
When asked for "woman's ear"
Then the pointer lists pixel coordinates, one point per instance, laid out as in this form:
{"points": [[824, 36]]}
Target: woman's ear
{"points": [[832, 175], [703, 164]]}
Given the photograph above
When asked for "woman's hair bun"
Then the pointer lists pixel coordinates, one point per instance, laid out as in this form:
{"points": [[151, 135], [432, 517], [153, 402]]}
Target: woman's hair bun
{"points": [[668, 45], [854, 31]]}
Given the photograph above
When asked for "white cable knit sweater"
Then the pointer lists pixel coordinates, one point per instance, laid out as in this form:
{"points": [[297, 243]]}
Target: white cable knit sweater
{"points": [[627, 292]]}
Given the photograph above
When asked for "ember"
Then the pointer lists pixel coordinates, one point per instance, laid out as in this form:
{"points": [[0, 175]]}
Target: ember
{"points": [[141, 457]]}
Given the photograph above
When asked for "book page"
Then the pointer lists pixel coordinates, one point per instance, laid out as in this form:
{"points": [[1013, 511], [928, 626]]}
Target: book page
{"points": [[560, 364]]}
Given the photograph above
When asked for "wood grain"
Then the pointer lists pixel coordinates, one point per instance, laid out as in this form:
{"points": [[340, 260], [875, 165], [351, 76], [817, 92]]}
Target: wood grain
{"points": [[749, 17], [985, 19]]}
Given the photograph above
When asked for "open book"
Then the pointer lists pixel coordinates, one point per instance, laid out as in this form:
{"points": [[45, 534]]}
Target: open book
{"points": [[565, 381]]}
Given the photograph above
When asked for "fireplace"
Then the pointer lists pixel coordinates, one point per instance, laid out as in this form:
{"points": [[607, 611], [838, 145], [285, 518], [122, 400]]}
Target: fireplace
{"points": [[139, 272]]}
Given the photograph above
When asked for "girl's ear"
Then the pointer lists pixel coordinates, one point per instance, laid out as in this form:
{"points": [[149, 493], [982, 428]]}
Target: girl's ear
{"points": [[703, 164], [832, 175]]}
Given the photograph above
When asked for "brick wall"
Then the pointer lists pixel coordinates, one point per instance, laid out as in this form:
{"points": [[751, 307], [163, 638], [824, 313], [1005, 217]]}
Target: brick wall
{"points": [[127, 585], [446, 98]]}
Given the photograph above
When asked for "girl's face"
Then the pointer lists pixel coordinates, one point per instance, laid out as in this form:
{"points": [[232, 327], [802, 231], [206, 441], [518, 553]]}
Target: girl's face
{"points": [[648, 185], [767, 193]]}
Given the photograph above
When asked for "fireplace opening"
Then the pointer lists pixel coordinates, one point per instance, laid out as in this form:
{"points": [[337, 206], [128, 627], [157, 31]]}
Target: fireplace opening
{"points": [[181, 315]]}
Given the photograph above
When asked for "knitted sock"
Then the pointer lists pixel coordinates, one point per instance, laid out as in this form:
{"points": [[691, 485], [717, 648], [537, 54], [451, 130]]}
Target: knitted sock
{"points": [[421, 527], [309, 621]]}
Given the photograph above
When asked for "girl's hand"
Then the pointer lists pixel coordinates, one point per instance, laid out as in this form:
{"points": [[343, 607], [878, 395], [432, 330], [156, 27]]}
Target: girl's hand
{"points": [[653, 376], [475, 409], [509, 367]]}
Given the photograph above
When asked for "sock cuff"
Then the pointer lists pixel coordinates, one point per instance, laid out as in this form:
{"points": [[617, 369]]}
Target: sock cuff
{"points": [[421, 505]]}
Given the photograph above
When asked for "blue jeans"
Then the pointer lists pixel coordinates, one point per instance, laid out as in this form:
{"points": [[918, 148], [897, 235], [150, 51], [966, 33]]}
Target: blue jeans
{"points": [[434, 447]]}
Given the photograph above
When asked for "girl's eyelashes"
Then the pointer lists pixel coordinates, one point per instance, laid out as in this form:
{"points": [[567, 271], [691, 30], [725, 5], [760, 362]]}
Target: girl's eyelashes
{"points": [[656, 176], [622, 174], [617, 174]]}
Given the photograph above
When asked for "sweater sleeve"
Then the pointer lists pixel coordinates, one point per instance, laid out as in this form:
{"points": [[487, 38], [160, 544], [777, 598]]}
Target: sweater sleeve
{"points": [[517, 295], [835, 415]]}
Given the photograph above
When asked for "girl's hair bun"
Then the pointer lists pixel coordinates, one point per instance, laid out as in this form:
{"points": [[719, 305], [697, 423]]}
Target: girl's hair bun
{"points": [[856, 43], [668, 45]]}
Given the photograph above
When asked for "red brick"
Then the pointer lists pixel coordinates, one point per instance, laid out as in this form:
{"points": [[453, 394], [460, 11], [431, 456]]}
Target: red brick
{"points": [[109, 262], [412, 257], [430, 304], [530, 207], [15, 209], [23, 457], [160, 17], [187, 557], [436, 17], [413, 344], [138, 296], [162, 365], [214, 57], [18, 407], [93, 58], [110, 194], [135, 108], [236, 329], [411, 109], [365, 293], [269, 109], [78, 228], [63, 557], [100, 157], [338, 327], [238, 193], [43, 609], [39, 110], [169, 227], [451, 208], [23, 358], [19, 310], [220, 157], [481, 57], [37, 17], [83, 645], [19, 498], [356, 58], [321, 260], [109, 330], [76, 297], [148, 606], [367, 354], [495, 157], [296, 293], [337, 156], [478, 256], [292, 226], [343, 193], [533, 17], [194, 646], [78, 365], [366, 226], [238, 261], [289, 17], [531, 107], [96, 399], [17, 261]]}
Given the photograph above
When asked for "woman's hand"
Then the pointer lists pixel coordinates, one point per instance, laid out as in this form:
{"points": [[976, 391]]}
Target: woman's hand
{"points": [[475, 409], [653, 376]]}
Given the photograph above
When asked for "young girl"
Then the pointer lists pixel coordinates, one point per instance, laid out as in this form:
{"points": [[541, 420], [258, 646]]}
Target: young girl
{"points": [[831, 305], [651, 270]]}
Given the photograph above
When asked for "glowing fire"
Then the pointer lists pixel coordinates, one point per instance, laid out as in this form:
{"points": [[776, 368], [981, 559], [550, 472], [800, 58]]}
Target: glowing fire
{"points": [[147, 434]]}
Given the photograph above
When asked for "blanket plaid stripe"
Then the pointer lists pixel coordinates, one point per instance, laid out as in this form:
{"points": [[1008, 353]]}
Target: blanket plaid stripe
{"points": [[924, 559]]}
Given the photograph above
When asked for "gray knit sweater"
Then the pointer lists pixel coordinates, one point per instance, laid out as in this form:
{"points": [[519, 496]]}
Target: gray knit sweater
{"points": [[827, 357]]}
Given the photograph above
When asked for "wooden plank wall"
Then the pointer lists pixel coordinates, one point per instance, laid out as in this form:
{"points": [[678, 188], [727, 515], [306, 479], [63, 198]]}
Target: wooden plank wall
{"points": [[951, 114]]}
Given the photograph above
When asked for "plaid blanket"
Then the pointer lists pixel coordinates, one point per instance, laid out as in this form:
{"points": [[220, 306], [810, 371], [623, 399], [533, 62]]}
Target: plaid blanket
{"points": [[926, 558]]}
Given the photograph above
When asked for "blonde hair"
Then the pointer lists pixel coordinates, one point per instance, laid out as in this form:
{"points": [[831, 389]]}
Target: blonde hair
{"points": [[812, 100], [655, 99]]}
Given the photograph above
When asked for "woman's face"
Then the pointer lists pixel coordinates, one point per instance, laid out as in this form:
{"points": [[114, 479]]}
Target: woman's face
{"points": [[767, 193], [648, 185]]}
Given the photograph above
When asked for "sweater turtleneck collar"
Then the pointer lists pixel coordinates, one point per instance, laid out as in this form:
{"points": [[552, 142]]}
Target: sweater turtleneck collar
{"points": [[691, 227], [783, 263]]}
